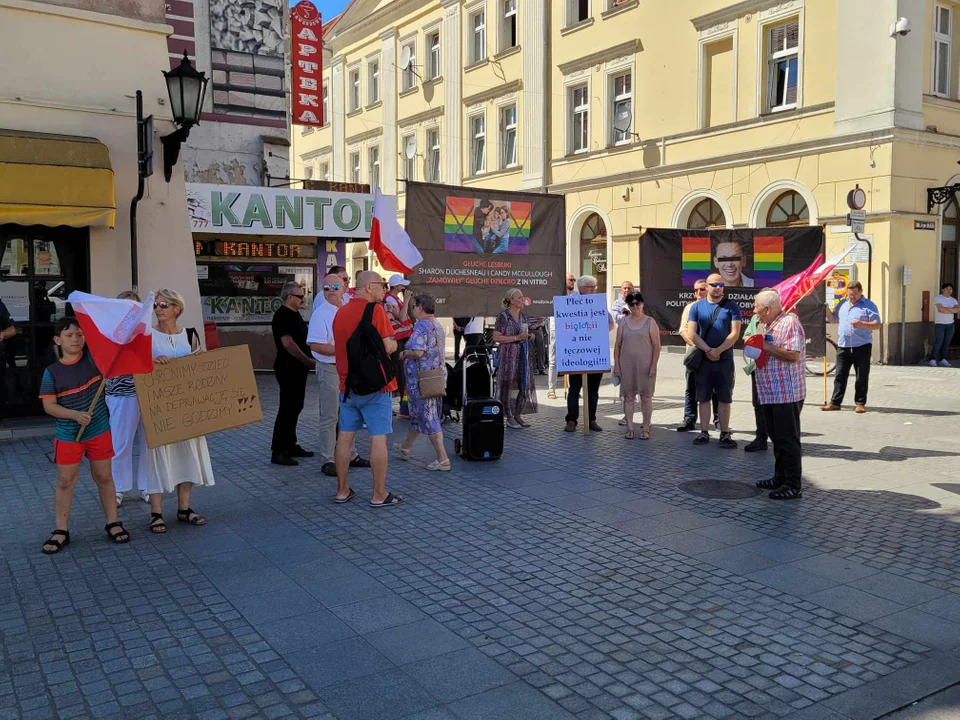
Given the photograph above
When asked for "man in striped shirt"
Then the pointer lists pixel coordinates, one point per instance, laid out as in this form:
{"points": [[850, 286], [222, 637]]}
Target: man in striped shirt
{"points": [[781, 390]]}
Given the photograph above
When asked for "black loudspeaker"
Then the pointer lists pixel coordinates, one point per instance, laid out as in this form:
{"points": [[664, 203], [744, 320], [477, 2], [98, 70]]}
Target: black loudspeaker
{"points": [[482, 429]]}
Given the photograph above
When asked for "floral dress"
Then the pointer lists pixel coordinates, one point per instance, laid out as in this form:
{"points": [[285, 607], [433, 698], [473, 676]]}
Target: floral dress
{"points": [[516, 388], [424, 414]]}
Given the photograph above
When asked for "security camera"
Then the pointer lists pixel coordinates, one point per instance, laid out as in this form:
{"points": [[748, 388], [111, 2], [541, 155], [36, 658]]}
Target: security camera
{"points": [[901, 27]]}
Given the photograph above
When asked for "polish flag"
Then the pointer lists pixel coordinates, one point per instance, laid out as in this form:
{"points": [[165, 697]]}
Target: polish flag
{"points": [[388, 240], [117, 332], [797, 287]]}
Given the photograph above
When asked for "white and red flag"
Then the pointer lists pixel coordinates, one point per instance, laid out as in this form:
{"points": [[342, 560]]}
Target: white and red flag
{"points": [[796, 287], [117, 332], [388, 240]]}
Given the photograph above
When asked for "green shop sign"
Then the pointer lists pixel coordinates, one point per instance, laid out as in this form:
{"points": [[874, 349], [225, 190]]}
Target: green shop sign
{"points": [[252, 210]]}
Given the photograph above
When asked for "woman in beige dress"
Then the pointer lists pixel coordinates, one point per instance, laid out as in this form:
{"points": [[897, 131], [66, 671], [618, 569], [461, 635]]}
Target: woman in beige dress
{"points": [[635, 354]]}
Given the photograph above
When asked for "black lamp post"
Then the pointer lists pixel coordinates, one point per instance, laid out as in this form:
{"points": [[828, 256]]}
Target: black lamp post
{"points": [[186, 87]]}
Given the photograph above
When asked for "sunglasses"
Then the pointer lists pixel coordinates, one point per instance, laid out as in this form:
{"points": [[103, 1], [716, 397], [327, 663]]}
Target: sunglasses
{"points": [[719, 285], [335, 286], [162, 306], [734, 258], [299, 297]]}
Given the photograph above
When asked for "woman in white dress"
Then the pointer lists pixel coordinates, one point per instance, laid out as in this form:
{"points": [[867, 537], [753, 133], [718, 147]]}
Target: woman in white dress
{"points": [[177, 466]]}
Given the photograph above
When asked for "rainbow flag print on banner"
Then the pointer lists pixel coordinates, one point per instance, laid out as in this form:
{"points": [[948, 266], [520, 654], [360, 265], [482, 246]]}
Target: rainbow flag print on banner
{"points": [[696, 259], [458, 224], [505, 226], [767, 261]]}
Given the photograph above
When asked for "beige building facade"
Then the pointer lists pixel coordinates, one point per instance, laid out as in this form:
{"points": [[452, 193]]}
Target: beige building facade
{"points": [[690, 114]]}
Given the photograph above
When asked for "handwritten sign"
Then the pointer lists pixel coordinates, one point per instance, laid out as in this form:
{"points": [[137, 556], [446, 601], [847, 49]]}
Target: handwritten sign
{"points": [[198, 395], [583, 333]]}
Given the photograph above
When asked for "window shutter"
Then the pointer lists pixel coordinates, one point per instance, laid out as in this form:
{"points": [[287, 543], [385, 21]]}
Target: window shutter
{"points": [[777, 37], [792, 30]]}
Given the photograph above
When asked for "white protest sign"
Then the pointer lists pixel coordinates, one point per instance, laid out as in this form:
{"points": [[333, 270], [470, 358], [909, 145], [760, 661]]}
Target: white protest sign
{"points": [[582, 329]]}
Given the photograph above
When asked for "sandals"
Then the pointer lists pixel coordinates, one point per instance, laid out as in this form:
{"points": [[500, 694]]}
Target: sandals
{"points": [[552, 395], [786, 493], [644, 434], [769, 484], [404, 452], [157, 525], [189, 516], [629, 435], [388, 501], [57, 544], [440, 465], [117, 538], [119, 500], [348, 498]]}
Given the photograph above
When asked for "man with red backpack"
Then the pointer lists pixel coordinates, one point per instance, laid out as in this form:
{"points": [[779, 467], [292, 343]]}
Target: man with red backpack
{"points": [[363, 343]]}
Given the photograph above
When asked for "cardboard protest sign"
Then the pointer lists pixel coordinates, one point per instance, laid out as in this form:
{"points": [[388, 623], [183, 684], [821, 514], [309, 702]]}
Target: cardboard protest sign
{"points": [[582, 329], [198, 395]]}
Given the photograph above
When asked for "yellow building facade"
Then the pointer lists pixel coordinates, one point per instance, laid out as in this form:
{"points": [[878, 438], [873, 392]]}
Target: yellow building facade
{"points": [[687, 114]]}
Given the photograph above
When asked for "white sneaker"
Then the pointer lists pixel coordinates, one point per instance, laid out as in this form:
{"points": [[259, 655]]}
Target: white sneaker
{"points": [[932, 363], [145, 496], [945, 363]]}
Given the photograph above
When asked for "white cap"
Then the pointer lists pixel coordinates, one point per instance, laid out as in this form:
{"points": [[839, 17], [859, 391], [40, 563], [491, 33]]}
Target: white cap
{"points": [[397, 279]]}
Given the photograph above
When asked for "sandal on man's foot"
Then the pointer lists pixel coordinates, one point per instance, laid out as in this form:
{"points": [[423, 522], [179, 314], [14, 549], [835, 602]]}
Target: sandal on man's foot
{"points": [[117, 538], [348, 498], [53, 542], [769, 484], [389, 500], [157, 525], [189, 516], [786, 493]]}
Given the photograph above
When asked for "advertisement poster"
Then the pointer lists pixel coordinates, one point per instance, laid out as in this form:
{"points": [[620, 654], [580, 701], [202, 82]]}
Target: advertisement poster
{"points": [[198, 395], [837, 285], [582, 328], [251, 293], [477, 244], [747, 260]]}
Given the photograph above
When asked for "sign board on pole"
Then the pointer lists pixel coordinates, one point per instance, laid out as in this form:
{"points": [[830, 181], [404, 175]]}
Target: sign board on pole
{"points": [[198, 395], [582, 330], [306, 46], [861, 248], [907, 274], [857, 220]]}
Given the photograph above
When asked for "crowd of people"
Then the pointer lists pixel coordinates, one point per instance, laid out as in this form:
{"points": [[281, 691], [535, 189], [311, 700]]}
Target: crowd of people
{"points": [[376, 341]]}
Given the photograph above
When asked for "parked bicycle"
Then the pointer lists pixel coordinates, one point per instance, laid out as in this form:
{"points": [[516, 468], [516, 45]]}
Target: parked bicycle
{"points": [[814, 361]]}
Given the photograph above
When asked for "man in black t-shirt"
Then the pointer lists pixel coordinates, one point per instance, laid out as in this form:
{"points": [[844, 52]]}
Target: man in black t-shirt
{"points": [[291, 367]]}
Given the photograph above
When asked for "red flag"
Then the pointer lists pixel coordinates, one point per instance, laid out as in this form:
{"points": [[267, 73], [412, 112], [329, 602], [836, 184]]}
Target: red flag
{"points": [[117, 333], [394, 249], [795, 288]]}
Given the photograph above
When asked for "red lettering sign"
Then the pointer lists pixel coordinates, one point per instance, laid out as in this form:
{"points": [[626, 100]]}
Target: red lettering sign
{"points": [[306, 43]]}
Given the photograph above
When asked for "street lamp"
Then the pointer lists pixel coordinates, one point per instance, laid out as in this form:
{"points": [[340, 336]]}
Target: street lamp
{"points": [[186, 87]]}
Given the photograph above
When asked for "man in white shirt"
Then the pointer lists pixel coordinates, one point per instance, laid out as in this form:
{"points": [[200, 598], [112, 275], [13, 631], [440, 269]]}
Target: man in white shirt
{"points": [[320, 340], [944, 319], [571, 283]]}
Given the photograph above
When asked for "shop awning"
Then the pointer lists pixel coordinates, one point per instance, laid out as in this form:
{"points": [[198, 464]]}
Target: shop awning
{"points": [[55, 180]]}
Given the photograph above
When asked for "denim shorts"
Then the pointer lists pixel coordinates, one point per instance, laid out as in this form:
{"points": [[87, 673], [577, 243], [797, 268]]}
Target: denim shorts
{"points": [[715, 377], [374, 410]]}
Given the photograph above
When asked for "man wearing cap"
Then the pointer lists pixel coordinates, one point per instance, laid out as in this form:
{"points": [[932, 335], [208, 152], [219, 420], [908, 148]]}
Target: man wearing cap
{"points": [[398, 310], [321, 342]]}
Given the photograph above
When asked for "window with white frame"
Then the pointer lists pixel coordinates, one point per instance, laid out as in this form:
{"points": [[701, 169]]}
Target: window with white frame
{"points": [[508, 137], [374, 157], [783, 65], [578, 11], [324, 171], [355, 167], [942, 44], [579, 119], [431, 160], [308, 172], [409, 164], [373, 81], [433, 46], [508, 24], [478, 37], [478, 144], [354, 90], [326, 104], [621, 106], [408, 80]]}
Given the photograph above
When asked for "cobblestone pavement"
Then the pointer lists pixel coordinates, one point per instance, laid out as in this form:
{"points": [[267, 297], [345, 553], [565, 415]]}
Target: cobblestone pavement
{"points": [[577, 577]]}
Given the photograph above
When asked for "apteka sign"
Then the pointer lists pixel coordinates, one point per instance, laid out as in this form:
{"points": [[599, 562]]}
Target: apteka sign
{"points": [[307, 63]]}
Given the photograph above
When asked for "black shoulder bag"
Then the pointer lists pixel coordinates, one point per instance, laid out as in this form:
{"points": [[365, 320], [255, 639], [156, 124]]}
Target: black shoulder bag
{"points": [[693, 359]]}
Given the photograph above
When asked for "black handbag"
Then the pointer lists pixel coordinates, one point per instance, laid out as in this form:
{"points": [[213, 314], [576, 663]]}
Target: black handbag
{"points": [[694, 358]]}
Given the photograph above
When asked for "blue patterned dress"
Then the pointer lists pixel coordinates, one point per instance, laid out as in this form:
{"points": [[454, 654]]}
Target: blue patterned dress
{"points": [[424, 414]]}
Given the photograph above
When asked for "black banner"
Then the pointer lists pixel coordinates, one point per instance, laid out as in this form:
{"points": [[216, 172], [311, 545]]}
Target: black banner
{"points": [[748, 260], [478, 243]]}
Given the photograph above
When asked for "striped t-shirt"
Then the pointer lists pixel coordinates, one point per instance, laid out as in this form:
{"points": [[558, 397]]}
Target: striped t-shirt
{"points": [[74, 386]]}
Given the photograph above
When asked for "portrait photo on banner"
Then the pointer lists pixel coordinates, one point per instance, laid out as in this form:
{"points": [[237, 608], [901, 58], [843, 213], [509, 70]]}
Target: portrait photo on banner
{"points": [[487, 226]]}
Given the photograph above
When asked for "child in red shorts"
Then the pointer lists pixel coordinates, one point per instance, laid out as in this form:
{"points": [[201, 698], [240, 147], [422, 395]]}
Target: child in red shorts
{"points": [[67, 390]]}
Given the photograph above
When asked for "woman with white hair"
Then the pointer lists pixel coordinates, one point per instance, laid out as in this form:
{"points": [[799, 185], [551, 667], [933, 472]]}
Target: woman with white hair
{"points": [[516, 387], [176, 467]]}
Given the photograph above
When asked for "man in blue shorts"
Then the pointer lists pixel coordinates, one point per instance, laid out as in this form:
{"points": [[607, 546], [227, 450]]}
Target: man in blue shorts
{"points": [[713, 326]]}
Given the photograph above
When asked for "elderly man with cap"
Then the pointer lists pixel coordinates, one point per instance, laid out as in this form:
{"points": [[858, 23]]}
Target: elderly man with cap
{"points": [[781, 390], [320, 340], [398, 310]]}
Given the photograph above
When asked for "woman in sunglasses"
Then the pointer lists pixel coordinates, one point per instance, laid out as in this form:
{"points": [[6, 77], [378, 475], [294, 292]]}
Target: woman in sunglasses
{"points": [[176, 467]]}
